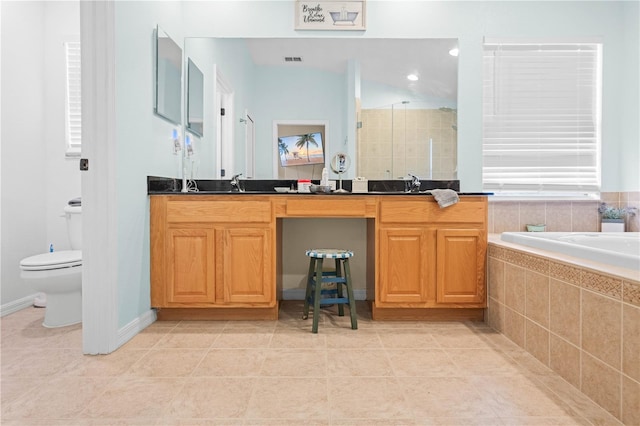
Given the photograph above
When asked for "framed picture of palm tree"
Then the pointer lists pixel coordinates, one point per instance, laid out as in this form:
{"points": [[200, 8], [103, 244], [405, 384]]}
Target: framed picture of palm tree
{"points": [[301, 149]]}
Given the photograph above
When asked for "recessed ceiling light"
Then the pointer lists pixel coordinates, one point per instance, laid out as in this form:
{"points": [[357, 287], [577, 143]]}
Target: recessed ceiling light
{"points": [[412, 77], [454, 51]]}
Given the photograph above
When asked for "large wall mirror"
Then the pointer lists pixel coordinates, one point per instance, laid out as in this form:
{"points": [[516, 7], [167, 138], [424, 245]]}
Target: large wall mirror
{"points": [[168, 96], [389, 124]]}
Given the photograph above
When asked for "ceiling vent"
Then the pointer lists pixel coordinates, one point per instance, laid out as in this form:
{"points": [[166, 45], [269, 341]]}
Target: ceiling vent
{"points": [[293, 59]]}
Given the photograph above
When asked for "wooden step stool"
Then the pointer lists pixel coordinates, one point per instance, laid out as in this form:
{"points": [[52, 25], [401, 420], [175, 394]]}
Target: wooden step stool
{"points": [[316, 277]]}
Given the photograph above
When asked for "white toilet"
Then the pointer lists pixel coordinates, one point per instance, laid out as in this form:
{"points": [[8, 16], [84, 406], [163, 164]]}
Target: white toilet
{"points": [[58, 274]]}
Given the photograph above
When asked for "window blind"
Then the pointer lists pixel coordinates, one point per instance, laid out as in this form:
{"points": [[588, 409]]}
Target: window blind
{"points": [[73, 99], [541, 117]]}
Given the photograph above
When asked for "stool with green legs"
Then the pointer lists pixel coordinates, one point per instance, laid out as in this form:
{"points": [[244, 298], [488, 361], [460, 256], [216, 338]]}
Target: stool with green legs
{"points": [[317, 296]]}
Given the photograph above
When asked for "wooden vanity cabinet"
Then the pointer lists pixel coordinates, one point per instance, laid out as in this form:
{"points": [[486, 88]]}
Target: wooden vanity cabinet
{"points": [[460, 267], [213, 253], [189, 268], [216, 256], [247, 256], [430, 257], [403, 270]]}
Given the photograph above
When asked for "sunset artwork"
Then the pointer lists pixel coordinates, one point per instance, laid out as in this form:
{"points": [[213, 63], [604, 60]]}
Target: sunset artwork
{"points": [[301, 150]]}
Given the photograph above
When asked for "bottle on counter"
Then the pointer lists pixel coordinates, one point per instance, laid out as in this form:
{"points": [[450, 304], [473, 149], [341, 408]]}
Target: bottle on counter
{"points": [[325, 177]]}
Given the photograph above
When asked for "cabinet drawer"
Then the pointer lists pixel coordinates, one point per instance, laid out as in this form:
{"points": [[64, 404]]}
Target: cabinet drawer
{"points": [[325, 206], [219, 211], [428, 211]]}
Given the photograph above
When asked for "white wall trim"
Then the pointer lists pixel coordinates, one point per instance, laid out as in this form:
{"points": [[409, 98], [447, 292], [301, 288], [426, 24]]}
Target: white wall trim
{"points": [[127, 332], [298, 294], [99, 190], [16, 305]]}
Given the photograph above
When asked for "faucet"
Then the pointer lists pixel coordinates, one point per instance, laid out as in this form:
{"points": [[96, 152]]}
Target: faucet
{"points": [[236, 185], [414, 184]]}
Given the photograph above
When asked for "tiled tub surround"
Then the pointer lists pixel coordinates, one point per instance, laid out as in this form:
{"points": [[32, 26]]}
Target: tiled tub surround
{"points": [[579, 318], [559, 216]]}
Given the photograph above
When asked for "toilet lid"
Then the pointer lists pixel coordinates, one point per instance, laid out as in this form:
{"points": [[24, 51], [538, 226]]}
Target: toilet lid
{"points": [[53, 260]]}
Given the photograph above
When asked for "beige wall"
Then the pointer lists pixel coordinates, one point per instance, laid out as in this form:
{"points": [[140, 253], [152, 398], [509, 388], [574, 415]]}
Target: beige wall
{"points": [[559, 216]]}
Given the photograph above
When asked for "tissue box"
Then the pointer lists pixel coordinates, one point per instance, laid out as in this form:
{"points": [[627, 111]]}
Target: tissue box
{"points": [[359, 185]]}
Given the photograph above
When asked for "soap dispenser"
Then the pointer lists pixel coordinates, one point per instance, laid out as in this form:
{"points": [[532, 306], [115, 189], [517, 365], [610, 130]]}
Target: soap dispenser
{"points": [[325, 177]]}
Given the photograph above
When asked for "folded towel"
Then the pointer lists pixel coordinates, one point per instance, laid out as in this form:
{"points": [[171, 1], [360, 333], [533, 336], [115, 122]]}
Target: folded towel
{"points": [[445, 197]]}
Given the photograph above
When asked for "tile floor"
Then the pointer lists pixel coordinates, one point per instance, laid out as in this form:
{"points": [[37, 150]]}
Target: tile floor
{"points": [[279, 373]]}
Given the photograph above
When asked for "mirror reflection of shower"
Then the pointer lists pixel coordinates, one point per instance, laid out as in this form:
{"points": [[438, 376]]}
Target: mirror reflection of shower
{"points": [[408, 137], [399, 137]]}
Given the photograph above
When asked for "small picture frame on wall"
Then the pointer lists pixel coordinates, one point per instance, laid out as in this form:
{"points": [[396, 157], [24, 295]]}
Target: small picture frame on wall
{"points": [[332, 15]]}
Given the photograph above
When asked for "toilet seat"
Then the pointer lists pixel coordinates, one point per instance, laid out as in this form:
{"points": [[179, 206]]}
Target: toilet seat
{"points": [[54, 260]]}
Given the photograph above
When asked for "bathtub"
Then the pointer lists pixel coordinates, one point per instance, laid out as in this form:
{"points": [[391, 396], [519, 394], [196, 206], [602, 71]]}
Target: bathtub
{"points": [[614, 248]]}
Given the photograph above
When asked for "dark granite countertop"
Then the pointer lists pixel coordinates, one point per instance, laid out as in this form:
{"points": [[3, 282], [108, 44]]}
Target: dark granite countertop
{"points": [[173, 186]]}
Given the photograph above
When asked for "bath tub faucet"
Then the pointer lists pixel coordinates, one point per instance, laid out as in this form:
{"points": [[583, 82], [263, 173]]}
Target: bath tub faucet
{"points": [[236, 184]]}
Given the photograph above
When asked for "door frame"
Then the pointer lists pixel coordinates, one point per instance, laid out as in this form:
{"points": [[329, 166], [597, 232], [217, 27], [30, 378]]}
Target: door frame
{"points": [[224, 98], [249, 146], [99, 182]]}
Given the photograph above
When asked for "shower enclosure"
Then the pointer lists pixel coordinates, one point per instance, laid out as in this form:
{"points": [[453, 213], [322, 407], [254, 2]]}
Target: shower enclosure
{"points": [[407, 137]]}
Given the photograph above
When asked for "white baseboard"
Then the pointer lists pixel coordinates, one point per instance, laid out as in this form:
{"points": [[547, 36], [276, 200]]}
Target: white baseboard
{"points": [[16, 305], [127, 332], [298, 294]]}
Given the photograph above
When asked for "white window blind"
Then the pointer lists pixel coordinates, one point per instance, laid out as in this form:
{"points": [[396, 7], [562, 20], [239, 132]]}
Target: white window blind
{"points": [[541, 118], [73, 99]]}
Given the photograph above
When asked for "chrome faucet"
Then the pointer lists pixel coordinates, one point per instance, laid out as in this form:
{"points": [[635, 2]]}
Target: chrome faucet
{"points": [[236, 184], [415, 183]]}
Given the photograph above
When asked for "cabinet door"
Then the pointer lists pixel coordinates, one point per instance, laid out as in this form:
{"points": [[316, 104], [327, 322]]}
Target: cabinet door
{"points": [[247, 266], [403, 265], [460, 266], [190, 266]]}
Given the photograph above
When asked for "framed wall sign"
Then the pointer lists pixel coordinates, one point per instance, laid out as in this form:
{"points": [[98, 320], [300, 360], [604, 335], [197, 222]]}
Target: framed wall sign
{"points": [[330, 15]]}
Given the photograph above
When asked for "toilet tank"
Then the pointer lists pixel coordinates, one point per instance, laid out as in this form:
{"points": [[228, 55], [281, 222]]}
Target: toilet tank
{"points": [[73, 215]]}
